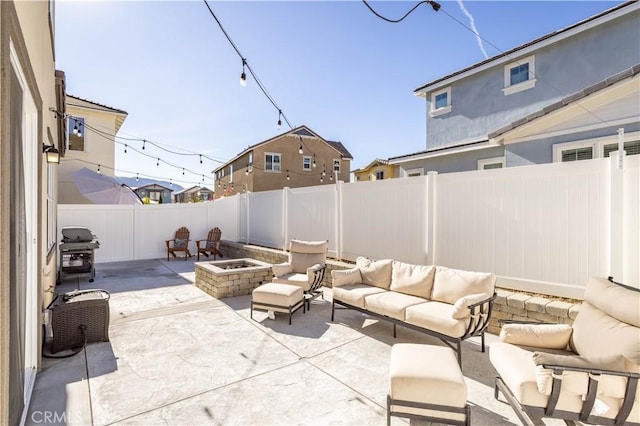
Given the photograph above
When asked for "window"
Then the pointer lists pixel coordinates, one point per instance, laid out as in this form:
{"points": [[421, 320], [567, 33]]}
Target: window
{"points": [[379, 175], [76, 134], [415, 172], [519, 75], [491, 163], [440, 102], [595, 148], [336, 165], [576, 154], [306, 162], [272, 162], [631, 148]]}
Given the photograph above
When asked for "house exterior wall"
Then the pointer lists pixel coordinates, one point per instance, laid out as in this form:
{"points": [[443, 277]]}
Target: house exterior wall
{"points": [[28, 28], [462, 162], [562, 68], [99, 150], [388, 172], [287, 146]]}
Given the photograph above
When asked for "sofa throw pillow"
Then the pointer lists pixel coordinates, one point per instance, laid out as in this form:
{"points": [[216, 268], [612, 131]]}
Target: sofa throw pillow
{"points": [[375, 273], [461, 307], [449, 284], [179, 243], [346, 277], [549, 336], [415, 280]]}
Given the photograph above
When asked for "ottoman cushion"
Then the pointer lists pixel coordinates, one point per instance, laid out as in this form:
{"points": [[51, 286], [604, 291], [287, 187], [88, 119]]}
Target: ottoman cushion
{"points": [[280, 295], [426, 374]]}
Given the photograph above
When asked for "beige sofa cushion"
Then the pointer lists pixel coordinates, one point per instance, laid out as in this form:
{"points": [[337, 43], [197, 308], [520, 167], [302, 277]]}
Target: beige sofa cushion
{"points": [[345, 277], [354, 294], [461, 307], [304, 254], [390, 303], [550, 336], [300, 280], [416, 280], [449, 285], [614, 300], [436, 316], [376, 273], [281, 269]]}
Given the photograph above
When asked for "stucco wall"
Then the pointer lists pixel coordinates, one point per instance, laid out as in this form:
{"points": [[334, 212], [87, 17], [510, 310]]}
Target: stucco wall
{"points": [[465, 161], [480, 107]]}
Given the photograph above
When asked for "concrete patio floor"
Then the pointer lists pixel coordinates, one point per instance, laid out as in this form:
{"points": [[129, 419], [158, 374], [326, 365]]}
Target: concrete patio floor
{"points": [[178, 356]]}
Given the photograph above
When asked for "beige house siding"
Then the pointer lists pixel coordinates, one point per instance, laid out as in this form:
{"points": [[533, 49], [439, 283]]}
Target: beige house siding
{"points": [[370, 173], [287, 146], [99, 146], [26, 27]]}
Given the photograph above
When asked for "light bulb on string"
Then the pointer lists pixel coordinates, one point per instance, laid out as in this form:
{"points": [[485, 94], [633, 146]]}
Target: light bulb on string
{"points": [[75, 129], [171, 182], [203, 178], [99, 172], [323, 171], [137, 177], [300, 151], [279, 119], [243, 76], [200, 158], [125, 148], [143, 143], [321, 178], [79, 130], [158, 163], [288, 177], [314, 161], [183, 171]]}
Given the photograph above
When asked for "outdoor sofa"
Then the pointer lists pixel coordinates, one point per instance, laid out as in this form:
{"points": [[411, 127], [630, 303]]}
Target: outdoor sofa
{"points": [[450, 304], [585, 372]]}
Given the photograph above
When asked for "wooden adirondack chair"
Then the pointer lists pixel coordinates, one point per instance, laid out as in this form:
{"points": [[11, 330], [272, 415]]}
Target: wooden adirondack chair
{"points": [[211, 245], [179, 243]]}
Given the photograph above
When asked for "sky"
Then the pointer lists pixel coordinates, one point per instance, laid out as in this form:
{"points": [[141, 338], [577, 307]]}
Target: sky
{"points": [[330, 65]]}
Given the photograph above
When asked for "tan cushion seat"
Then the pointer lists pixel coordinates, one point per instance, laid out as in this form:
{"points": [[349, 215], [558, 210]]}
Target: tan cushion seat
{"points": [[436, 316], [354, 294], [390, 303], [277, 297], [296, 279], [426, 374]]}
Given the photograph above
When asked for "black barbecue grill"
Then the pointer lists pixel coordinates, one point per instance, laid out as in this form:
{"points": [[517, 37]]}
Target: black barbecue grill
{"points": [[77, 252]]}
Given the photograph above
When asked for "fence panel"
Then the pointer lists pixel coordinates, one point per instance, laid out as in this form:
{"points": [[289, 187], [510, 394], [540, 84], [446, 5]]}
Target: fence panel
{"points": [[112, 225], [265, 219], [224, 213], [543, 223], [385, 219], [311, 215], [631, 209]]}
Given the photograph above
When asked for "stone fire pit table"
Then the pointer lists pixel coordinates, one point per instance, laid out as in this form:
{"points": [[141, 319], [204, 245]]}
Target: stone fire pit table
{"points": [[231, 277]]}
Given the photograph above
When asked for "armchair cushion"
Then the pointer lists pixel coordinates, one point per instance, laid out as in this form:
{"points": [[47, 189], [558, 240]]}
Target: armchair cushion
{"points": [[281, 269], [461, 307], [311, 271], [414, 280], [304, 254], [346, 277], [550, 336], [180, 243], [449, 285], [376, 273]]}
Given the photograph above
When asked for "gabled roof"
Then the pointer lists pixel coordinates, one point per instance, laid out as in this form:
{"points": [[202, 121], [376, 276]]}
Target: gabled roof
{"points": [[549, 38], [192, 189], [302, 131], [629, 90], [78, 102], [374, 163], [153, 186]]}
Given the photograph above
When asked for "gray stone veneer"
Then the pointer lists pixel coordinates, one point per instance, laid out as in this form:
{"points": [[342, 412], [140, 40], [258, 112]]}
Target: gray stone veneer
{"points": [[509, 305]]}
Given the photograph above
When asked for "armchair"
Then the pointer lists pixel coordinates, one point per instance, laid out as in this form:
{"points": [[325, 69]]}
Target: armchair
{"points": [[587, 372], [305, 268], [180, 243]]}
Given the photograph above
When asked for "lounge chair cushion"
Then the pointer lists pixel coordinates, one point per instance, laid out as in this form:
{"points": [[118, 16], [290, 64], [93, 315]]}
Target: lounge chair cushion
{"points": [[354, 294], [550, 336], [179, 243], [375, 273], [296, 279], [390, 303], [449, 285], [304, 254], [346, 277], [461, 307], [616, 301], [436, 316], [281, 269], [415, 280]]}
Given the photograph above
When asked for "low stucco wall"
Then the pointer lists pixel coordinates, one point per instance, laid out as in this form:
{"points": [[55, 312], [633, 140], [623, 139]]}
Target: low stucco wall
{"points": [[509, 305]]}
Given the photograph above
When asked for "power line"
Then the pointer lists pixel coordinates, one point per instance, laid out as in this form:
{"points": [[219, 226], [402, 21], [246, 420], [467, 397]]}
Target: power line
{"points": [[433, 4]]}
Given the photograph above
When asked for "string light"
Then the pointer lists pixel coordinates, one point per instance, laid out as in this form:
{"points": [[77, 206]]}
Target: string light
{"points": [[323, 170], [243, 76], [288, 177], [171, 182], [300, 151], [143, 143], [200, 158], [137, 177], [433, 4], [314, 161], [183, 171], [279, 119], [158, 163], [99, 172], [321, 177], [125, 148]]}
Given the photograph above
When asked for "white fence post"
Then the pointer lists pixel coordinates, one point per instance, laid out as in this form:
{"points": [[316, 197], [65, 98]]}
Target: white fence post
{"points": [[285, 217], [616, 217], [338, 224], [248, 216], [430, 210]]}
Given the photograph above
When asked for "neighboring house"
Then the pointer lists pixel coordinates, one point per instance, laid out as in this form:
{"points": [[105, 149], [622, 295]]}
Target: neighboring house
{"points": [[195, 193], [560, 97], [157, 194], [378, 169], [297, 158], [91, 130], [31, 111]]}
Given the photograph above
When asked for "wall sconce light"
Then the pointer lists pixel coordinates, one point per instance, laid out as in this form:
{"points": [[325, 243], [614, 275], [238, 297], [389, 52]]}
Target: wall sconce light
{"points": [[53, 155]]}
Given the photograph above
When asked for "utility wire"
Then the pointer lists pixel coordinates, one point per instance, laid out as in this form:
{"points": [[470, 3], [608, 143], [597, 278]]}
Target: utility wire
{"points": [[434, 5], [245, 63]]}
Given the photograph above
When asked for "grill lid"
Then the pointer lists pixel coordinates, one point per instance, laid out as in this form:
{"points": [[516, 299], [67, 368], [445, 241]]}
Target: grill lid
{"points": [[76, 234]]}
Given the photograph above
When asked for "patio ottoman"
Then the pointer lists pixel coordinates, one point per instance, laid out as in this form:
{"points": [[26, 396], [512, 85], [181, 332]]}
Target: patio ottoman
{"points": [[425, 382], [277, 297]]}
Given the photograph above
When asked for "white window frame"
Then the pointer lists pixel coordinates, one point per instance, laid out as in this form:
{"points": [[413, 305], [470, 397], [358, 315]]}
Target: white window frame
{"points": [[336, 162], [510, 89], [273, 155], [414, 172], [434, 112], [596, 143], [493, 160], [84, 134], [306, 161], [230, 173]]}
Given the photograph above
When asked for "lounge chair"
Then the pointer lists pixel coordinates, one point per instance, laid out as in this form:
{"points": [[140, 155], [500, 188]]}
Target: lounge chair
{"points": [[210, 246], [180, 243]]}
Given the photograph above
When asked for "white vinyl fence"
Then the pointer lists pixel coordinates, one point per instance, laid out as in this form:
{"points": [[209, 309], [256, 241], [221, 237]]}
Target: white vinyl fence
{"points": [[544, 228]]}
